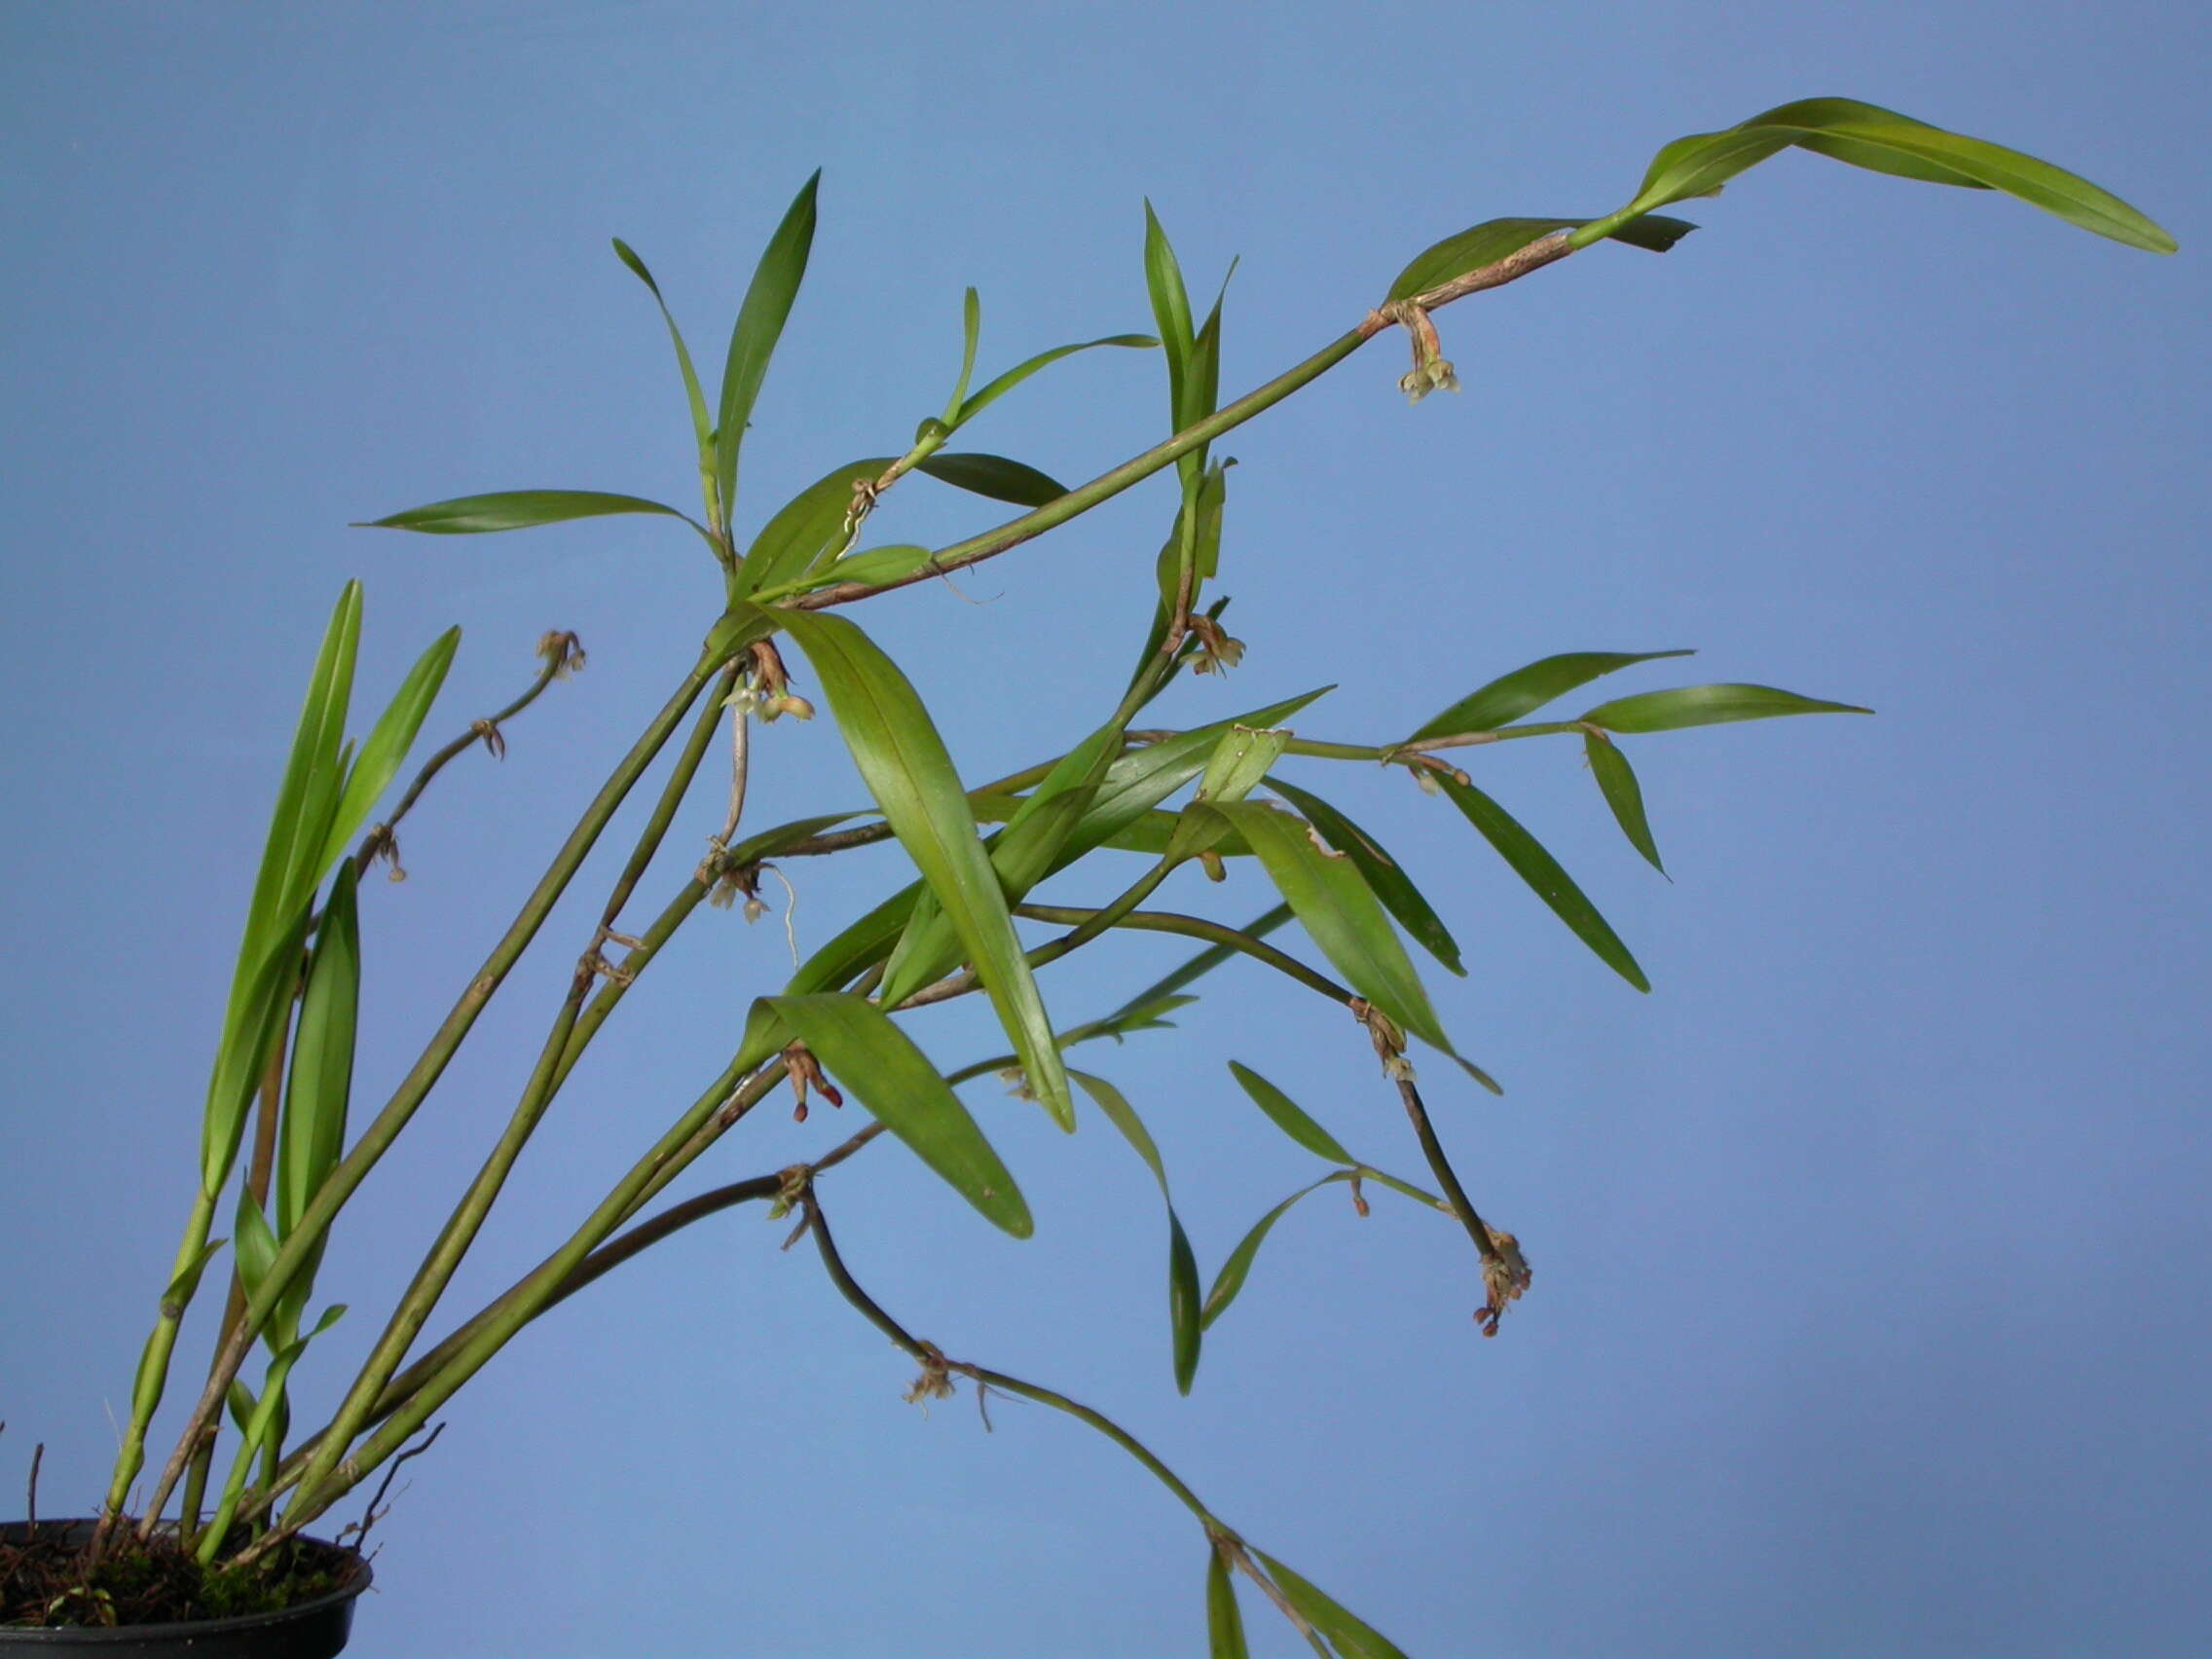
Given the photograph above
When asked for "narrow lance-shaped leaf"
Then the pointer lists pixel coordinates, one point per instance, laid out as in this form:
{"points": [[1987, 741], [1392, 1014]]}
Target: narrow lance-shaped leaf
{"points": [[1201, 385], [1543, 872], [1381, 871], [276, 917], [1616, 782], [1134, 784], [1225, 1624], [805, 530], [971, 333], [312, 1132], [1143, 778], [254, 1244], [515, 509], [1708, 705], [1289, 1117], [1013, 376], [702, 425], [1341, 916], [1493, 240], [904, 761], [1882, 140], [389, 741], [902, 1091], [759, 325], [1182, 1263], [1238, 1266], [1171, 307], [994, 476], [1020, 855], [1352, 1637], [1508, 697]]}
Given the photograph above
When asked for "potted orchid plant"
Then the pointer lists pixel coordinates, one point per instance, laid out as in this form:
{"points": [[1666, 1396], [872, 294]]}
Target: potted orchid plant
{"points": [[206, 1539]]}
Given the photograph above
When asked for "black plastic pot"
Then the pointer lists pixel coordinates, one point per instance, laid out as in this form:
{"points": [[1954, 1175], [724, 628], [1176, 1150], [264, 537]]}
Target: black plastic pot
{"points": [[313, 1630]]}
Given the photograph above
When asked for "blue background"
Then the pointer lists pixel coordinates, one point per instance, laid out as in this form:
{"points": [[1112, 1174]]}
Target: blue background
{"points": [[1870, 1250]]}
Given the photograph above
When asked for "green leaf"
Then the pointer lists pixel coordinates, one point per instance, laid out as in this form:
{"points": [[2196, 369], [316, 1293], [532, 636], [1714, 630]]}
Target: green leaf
{"points": [[1339, 914], [253, 1244], [1234, 1272], [904, 761], [1508, 697], [1182, 1264], [1381, 871], [1881, 141], [292, 864], [1493, 240], [1143, 778], [312, 1133], [1171, 309], [389, 741], [702, 427], [1020, 372], [1225, 1625], [1116, 1106], [970, 332], [1616, 781], [1020, 855], [1351, 1637], [1289, 1117], [1239, 761], [514, 510], [1419, 1195], [759, 325], [182, 1289], [1183, 1302], [903, 1092], [1543, 872], [1201, 386], [807, 529], [1708, 705], [995, 476]]}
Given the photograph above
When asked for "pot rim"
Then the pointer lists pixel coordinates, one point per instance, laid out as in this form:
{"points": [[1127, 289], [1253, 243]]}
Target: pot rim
{"points": [[359, 1579]]}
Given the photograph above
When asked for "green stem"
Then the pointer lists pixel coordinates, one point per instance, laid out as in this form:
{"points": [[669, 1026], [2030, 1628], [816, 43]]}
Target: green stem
{"points": [[1169, 921], [379, 1135], [724, 1102], [558, 1055], [611, 1254], [1084, 497], [154, 1361]]}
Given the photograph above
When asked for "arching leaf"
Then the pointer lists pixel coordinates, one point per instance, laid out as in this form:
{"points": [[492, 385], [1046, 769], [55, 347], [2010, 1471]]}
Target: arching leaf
{"points": [[861, 1045]]}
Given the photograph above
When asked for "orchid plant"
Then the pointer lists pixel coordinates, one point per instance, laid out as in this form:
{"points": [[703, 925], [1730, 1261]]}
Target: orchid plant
{"points": [[285, 1148]]}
